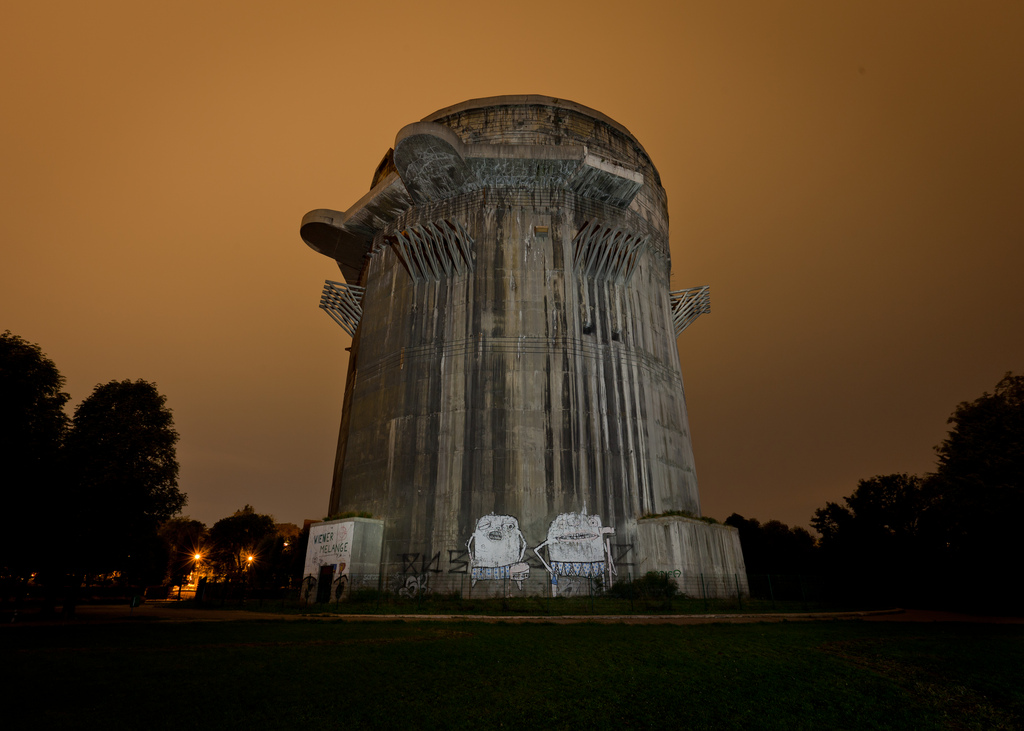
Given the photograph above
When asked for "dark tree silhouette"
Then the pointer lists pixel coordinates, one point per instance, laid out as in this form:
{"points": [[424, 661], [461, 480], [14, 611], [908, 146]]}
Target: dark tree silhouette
{"points": [[978, 489], [297, 555], [873, 548], [239, 536], [121, 459], [879, 526], [183, 538], [32, 428], [774, 548], [951, 538]]}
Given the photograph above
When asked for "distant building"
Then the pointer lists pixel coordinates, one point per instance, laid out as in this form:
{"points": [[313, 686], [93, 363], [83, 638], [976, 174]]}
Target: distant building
{"points": [[514, 405]]}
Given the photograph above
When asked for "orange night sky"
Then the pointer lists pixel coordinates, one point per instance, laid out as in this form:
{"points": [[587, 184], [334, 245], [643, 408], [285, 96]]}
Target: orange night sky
{"points": [[847, 176]]}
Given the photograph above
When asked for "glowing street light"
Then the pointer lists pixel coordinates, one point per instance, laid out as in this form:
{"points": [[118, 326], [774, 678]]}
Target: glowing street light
{"points": [[196, 558]]}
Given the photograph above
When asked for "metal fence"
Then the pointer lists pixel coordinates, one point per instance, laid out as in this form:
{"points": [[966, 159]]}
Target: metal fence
{"points": [[653, 593], [403, 592]]}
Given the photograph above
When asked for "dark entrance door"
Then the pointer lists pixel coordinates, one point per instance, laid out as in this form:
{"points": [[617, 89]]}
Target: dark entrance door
{"points": [[323, 586]]}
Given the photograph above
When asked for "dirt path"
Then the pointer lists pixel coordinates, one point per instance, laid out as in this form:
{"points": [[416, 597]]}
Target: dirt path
{"points": [[927, 615], [155, 611]]}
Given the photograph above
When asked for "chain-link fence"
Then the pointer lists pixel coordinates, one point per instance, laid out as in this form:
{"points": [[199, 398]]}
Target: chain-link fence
{"points": [[405, 591], [652, 593]]}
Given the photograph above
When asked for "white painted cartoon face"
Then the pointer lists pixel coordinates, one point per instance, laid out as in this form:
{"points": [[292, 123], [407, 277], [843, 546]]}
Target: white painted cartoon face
{"points": [[576, 537], [497, 541]]}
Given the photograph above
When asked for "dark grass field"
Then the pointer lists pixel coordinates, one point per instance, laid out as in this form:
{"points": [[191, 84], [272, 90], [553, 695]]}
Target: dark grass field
{"points": [[534, 606], [385, 603], [310, 674]]}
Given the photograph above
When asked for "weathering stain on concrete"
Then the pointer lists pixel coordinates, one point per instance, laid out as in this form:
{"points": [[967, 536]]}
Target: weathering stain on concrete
{"points": [[514, 352]]}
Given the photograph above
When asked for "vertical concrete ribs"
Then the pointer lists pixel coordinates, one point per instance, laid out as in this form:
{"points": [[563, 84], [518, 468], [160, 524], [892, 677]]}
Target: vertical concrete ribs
{"points": [[514, 408]]}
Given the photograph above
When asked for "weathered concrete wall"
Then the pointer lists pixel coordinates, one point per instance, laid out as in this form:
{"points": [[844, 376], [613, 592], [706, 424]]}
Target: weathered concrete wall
{"points": [[703, 559], [516, 356], [557, 125], [486, 394]]}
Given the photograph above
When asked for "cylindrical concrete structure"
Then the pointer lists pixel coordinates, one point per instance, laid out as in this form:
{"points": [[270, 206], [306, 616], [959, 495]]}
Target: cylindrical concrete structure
{"points": [[514, 402]]}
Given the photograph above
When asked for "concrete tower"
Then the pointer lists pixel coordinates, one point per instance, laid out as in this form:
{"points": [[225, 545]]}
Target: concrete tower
{"points": [[514, 405]]}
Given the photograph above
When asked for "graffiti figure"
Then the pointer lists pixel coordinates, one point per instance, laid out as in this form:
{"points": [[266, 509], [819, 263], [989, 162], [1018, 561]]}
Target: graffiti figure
{"points": [[340, 583], [496, 550], [308, 585], [578, 547], [414, 585]]}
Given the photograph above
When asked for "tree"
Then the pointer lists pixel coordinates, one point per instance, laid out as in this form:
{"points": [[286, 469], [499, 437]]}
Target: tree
{"points": [[32, 428], [978, 488], [184, 538], [874, 545], [297, 556], [773, 548], [879, 524], [239, 536], [121, 457]]}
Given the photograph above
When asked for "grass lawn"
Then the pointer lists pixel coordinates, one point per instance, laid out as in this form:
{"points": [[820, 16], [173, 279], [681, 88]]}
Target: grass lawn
{"points": [[531, 606], [309, 674]]}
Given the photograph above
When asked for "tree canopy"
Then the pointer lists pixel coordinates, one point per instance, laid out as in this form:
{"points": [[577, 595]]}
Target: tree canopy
{"points": [[184, 538], [911, 536], [877, 531], [884, 506], [32, 399], [121, 453], [978, 488], [32, 428], [773, 548], [239, 536]]}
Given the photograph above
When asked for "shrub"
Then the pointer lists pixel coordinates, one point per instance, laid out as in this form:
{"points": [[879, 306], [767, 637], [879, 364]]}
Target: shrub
{"points": [[653, 586], [681, 513], [365, 595], [349, 514]]}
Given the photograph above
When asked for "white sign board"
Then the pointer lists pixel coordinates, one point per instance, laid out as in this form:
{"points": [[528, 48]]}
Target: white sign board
{"points": [[330, 544]]}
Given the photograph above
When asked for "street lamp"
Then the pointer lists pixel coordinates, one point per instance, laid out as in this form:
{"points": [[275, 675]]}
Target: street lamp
{"points": [[196, 557]]}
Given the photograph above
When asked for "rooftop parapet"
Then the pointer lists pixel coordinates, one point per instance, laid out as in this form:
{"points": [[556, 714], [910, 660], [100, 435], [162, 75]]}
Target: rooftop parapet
{"points": [[510, 142]]}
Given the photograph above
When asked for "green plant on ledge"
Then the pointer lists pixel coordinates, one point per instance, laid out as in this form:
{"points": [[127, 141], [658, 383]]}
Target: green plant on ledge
{"points": [[349, 514], [681, 513]]}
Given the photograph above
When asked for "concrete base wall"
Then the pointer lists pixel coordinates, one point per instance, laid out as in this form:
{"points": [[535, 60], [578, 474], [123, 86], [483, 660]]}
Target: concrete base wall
{"points": [[351, 547], [705, 560]]}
